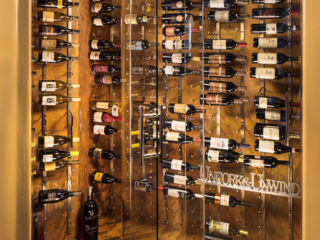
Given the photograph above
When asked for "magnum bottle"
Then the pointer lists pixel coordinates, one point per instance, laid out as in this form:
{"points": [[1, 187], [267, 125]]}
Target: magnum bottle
{"points": [[50, 155], [224, 200], [178, 179], [55, 195], [102, 44], [48, 16], [226, 16], [52, 166], [54, 57], [273, 147], [185, 126], [272, 43], [220, 99], [103, 8], [222, 87], [104, 130], [55, 30], [55, 85], [60, 4], [263, 161], [54, 141], [271, 58], [272, 28], [55, 44], [222, 44], [269, 73], [103, 178], [271, 115], [223, 143], [222, 58], [90, 217], [178, 165], [183, 109], [222, 72], [272, 13], [219, 156], [268, 131], [52, 100], [224, 228], [100, 153]]}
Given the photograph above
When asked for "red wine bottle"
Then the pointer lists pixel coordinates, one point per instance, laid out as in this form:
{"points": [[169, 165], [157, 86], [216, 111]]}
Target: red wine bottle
{"points": [[272, 28], [178, 179], [175, 5], [179, 44], [177, 192], [183, 109], [56, 4], [55, 30], [223, 143], [272, 13], [263, 161], [175, 137], [102, 153], [55, 44], [224, 200], [141, 45], [106, 79], [104, 130], [103, 178], [226, 16], [225, 3], [272, 43], [102, 44], [104, 20], [178, 165], [268, 1], [104, 56], [273, 147], [178, 58], [90, 217], [271, 115], [55, 195], [54, 57], [105, 69], [272, 102], [184, 126], [48, 16], [219, 156], [222, 72], [222, 87], [174, 18], [271, 132], [104, 117], [219, 99], [222, 44], [223, 228], [174, 31], [103, 8], [269, 73], [222, 58], [51, 155], [271, 58]]}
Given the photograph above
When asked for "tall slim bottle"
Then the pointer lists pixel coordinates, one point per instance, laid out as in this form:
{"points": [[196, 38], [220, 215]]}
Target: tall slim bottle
{"points": [[90, 217]]}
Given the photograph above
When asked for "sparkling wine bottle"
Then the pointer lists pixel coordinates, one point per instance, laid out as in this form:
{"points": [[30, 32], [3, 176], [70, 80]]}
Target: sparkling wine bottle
{"points": [[272, 102], [271, 115], [179, 44], [55, 195], [175, 137], [222, 87], [178, 165], [173, 31], [271, 58], [226, 16], [52, 166], [269, 73], [104, 117], [183, 109], [103, 8], [263, 161], [272, 28], [271, 132], [103, 178], [177, 192], [51, 100], [54, 57], [104, 20], [178, 179], [141, 45], [104, 56], [106, 79], [272, 43], [185, 126], [55, 85], [55, 44], [50, 155], [60, 4], [273, 147], [54, 141], [104, 130], [178, 58], [55, 30], [225, 3], [90, 217], [224, 200], [138, 19], [222, 72], [223, 143], [268, 1], [224, 228], [217, 156], [47, 16], [175, 5], [174, 18], [222, 58], [222, 44], [102, 153], [102, 44], [220, 99], [105, 69], [272, 13]]}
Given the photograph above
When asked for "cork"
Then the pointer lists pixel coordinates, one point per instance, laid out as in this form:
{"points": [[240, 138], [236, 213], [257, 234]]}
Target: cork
{"points": [[242, 88], [241, 73]]}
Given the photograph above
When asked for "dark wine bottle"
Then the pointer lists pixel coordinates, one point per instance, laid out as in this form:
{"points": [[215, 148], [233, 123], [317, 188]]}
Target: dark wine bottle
{"points": [[52, 100], [272, 102], [224, 200], [272, 28], [178, 165], [224, 228], [55, 195], [175, 5], [226, 16], [178, 179], [104, 56], [223, 143], [104, 130], [104, 117], [104, 20], [102, 153], [271, 115], [141, 45], [90, 217], [175, 137], [103, 178], [222, 87], [55, 44], [269, 73], [185, 126], [217, 156], [179, 44], [184, 109], [102, 44], [173, 31], [225, 3], [178, 58], [263, 161], [50, 155], [223, 58], [105, 69], [54, 57], [60, 4], [48, 16], [271, 58], [271, 132], [177, 192], [174, 18], [55, 85], [106, 79], [268, 1], [222, 72], [273, 147], [178, 71], [272, 43], [219, 99], [54, 141], [103, 8], [138, 19], [272, 13], [52, 166], [55, 30], [222, 44]]}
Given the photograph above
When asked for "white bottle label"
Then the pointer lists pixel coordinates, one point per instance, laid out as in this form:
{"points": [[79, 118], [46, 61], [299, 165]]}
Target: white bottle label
{"points": [[176, 165], [256, 163], [213, 156], [263, 102], [219, 143], [173, 193], [172, 136], [48, 86], [47, 56], [224, 228], [219, 44], [271, 28], [47, 16], [169, 44], [272, 133], [102, 105], [107, 80], [176, 58], [266, 73], [169, 70], [222, 16], [266, 146], [180, 108], [270, 1], [47, 158], [49, 100], [115, 111], [267, 58], [97, 117], [130, 19], [224, 200], [178, 44], [177, 179], [178, 125], [97, 22], [94, 55], [94, 44], [48, 141], [179, 18], [273, 115], [216, 4], [268, 42], [99, 129], [97, 7]]}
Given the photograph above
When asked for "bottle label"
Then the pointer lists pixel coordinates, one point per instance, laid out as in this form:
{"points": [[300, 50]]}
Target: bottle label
{"points": [[172, 136], [49, 100], [144, 19], [176, 165], [94, 55], [76, 139], [263, 102], [47, 56], [50, 166], [179, 4], [213, 156], [137, 45], [221, 16], [256, 163], [220, 227], [130, 20], [173, 193], [178, 44], [98, 22], [177, 179], [215, 99], [106, 79], [168, 70], [48, 141], [115, 111], [224, 200], [94, 44], [216, 4], [219, 143], [218, 87], [217, 59], [47, 16], [47, 158], [137, 70], [266, 73], [48, 86], [177, 58], [219, 44], [96, 7], [97, 117], [99, 129], [268, 42], [76, 99], [97, 153], [52, 196], [272, 115], [270, 1], [169, 44], [98, 176], [271, 28], [178, 125], [179, 18], [101, 69], [267, 58], [46, 43], [220, 71], [102, 105], [180, 108], [272, 133], [266, 146], [60, 4], [48, 30], [170, 31], [74, 153]]}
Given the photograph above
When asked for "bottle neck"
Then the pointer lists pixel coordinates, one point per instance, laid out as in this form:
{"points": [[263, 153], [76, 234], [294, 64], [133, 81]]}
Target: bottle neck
{"points": [[90, 193], [284, 163], [73, 31]]}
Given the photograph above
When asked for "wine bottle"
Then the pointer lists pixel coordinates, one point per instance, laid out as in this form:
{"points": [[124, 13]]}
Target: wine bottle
{"points": [[269, 73], [178, 165], [271, 115], [226, 16], [272, 102], [102, 44], [102, 105], [141, 45], [55, 85], [175, 137], [178, 179], [271, 58], [222, 44], [137, 19], [224, 228], [272, 43], [174, 18], [104, 56], [50, 155], [104, 130], [103, 8], [184, 109], [60, 4], [271, 132], [178, 58], [272, 13], [51, 100], [220, 99], [215, 237], [55, 30], [104, 117], [263, 161], [268, 1], [222, 72], [54, 141], [223, 143], [185, 126], [52, 166], [104, 20], [55, 195], [224, 200], [174, 31], [55, 44], [217, 156], [177, 192], [273, 147], [102, 153], [90, 217], [175, 5], [225, 3], [105, 69], [143, 186], [272, 28], [222, 87], [178, 71], [47, 16], [54, 57], [222, 58], [103, 178], [179, 44], [106, 79]]}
